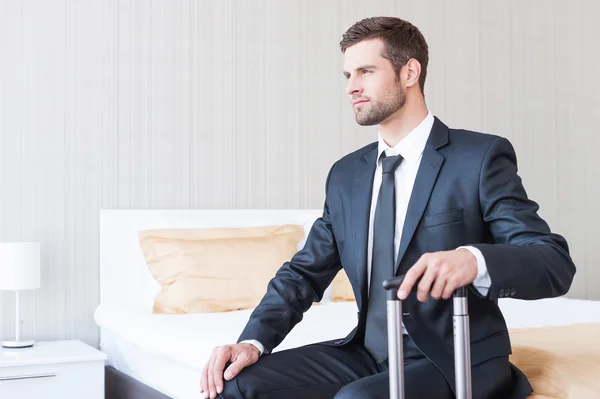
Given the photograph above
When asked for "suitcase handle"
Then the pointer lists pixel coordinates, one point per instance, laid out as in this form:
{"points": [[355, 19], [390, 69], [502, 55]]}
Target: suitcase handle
{"points": [[462, 347], [395, 341], [392, 286], [462, 344]]}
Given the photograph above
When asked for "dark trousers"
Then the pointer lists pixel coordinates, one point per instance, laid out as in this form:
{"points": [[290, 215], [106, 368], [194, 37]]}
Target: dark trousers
{"points": [[349, 372]]}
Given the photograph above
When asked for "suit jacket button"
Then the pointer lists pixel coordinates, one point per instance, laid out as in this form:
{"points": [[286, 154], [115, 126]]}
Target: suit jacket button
{"points": [[513, 292], [501, 294]]}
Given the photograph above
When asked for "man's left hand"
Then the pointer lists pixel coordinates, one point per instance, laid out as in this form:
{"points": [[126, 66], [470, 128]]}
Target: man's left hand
{"points": [[443, 272]]}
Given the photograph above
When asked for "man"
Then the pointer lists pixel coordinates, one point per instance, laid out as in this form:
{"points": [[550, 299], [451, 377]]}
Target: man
{"points": [[444, 207]]}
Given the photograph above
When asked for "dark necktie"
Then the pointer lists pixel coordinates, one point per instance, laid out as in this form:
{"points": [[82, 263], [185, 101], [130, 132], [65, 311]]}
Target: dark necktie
{"points": [[382, 265]]}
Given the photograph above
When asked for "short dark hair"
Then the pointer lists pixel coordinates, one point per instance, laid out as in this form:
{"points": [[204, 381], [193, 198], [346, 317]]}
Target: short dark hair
{"points": [[401, 39]]}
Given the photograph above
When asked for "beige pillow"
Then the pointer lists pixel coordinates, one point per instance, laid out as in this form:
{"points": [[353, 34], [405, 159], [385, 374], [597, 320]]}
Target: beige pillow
{"points": [[341, 289], [560, 361], [216, 269]]}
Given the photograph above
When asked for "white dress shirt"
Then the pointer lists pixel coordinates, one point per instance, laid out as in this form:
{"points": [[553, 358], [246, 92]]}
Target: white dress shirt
{"points": [[411, 149]]}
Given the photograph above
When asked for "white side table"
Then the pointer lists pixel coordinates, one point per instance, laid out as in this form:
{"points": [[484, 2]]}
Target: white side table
{"points": [[57, 369]]}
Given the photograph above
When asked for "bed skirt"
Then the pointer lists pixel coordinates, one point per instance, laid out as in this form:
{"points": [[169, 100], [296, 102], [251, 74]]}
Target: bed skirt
{"points": [[118, 385]]}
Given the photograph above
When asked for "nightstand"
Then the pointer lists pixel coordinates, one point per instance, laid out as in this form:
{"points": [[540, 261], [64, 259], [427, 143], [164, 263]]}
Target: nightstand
{"points": [[57, 369]]}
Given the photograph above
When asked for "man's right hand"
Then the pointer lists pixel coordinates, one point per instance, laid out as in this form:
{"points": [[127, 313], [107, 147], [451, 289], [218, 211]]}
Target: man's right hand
{"points": [[239, 355]]}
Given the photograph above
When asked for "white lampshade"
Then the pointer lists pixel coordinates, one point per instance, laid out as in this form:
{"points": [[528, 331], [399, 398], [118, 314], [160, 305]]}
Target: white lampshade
{"points": [[19, 266]]}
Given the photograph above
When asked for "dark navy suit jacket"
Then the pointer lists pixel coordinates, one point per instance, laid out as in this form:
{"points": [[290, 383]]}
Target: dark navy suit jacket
{"points": [[467, 192]]}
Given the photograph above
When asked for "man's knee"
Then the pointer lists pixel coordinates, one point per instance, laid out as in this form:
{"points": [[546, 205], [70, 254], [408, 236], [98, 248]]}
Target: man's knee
{"points": [[241, 386], [352, 391], [234, 388], [231, 390]]}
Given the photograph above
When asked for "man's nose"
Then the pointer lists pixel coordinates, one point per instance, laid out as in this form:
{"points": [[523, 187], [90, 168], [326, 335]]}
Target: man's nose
{"points": [[352, 87]]}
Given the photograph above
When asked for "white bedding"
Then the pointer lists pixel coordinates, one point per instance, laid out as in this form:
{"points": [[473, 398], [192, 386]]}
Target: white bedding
{"points": [[167, 352], [144, 345], [189, 339]]}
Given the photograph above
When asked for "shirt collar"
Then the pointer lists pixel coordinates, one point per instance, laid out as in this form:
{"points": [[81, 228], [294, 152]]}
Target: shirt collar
{"points": [[412, 145]]}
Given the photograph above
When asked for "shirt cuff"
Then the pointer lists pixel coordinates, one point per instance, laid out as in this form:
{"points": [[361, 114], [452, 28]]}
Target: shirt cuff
{"points": [[257, 344], [482, 281]]}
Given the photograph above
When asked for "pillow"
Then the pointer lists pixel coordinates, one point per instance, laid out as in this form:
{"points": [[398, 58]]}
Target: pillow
{"points": [[210, 233], [341, 289], [216, 269], [559, 361]]}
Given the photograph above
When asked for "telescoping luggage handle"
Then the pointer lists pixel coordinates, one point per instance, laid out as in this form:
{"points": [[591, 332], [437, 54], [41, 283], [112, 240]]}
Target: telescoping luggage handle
{"points": [[462, 347]]}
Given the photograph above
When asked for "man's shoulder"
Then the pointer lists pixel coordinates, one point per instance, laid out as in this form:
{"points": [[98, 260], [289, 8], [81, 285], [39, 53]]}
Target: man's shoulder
{"points": [[356, 155], [478, 143], [472, 137], [345, 166]]}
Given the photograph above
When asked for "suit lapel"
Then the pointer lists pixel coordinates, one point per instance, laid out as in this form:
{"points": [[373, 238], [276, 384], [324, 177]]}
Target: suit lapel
{"points": [[362, 190], [430, 166]]}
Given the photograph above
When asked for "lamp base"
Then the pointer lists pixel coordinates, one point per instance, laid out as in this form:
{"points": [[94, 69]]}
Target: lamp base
{"points": [[17, 344]]}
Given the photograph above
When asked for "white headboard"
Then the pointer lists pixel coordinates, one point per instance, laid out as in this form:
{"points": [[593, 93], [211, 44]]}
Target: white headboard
{"points": [[124, 276]]}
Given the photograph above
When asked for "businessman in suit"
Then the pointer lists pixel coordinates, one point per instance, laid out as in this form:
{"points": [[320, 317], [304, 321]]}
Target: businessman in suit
{"points": [[445, 207]]}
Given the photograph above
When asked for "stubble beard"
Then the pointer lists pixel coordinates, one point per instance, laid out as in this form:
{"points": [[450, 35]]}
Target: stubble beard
{"points": [[375, 112]]}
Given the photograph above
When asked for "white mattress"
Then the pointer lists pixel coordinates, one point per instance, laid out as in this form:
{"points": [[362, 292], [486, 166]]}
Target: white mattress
{"points": [[174, 379], [168, 352], [189, 339]]}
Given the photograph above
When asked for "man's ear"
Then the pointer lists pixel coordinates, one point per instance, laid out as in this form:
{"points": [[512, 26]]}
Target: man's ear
{"points": [[412, 71]]}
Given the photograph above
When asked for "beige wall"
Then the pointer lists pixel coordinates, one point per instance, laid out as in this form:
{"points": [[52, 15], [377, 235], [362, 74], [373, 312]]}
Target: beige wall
{"points": [[206, 104]]}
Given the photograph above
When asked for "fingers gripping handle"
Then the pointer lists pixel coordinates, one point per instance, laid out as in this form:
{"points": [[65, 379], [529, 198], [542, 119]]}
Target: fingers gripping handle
{"points": [[392, 285]]}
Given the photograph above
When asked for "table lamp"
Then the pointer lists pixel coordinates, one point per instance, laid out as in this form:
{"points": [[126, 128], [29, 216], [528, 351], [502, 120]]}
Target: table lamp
{"points": [[19, 270]]}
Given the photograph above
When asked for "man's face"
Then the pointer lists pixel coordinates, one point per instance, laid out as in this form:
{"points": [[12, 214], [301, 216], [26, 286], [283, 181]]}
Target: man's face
{"points": [[375, 91]]}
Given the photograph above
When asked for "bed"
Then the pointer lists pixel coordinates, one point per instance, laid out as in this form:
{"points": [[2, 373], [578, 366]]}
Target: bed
{"points": [[157, 356]]}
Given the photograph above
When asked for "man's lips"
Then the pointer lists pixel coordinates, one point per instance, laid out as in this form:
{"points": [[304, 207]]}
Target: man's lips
{"points": [[356, 102]]}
